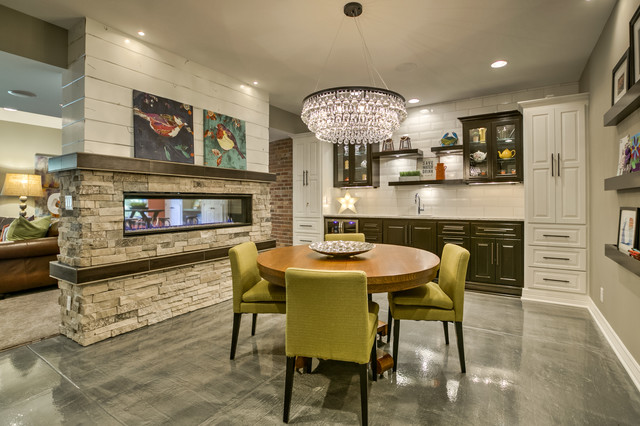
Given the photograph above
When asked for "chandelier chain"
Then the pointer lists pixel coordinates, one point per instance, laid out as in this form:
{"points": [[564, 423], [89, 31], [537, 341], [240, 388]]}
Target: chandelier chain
{"points": [[326, 61], [368, 58]]}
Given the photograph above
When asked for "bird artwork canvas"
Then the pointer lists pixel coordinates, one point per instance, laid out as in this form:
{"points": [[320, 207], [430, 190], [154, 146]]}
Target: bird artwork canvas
{"points": [[225, 141], [162, 129]]}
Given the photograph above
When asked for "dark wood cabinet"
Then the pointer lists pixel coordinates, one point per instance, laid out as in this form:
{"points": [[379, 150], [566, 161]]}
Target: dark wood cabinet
{"points": [[497, 257], [372, 230], [422, 234], [353, 165], [395, 231], [492, 147]]}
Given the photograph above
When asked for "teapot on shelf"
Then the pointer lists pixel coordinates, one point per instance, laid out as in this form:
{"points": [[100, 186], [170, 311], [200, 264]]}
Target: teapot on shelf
{"points": [[507, 153], [479, 156]]}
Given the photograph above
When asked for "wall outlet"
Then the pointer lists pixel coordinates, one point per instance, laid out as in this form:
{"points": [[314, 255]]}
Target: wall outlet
{"points": [[68, 202], [601, 294], [68, 303]]}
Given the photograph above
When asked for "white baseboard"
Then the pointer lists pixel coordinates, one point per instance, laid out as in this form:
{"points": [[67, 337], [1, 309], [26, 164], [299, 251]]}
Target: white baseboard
{"points": [[568, 299], [625, 357]]}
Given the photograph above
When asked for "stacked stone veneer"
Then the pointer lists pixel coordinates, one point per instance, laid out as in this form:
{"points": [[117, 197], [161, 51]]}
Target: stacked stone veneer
{"points": [[92, 235]]}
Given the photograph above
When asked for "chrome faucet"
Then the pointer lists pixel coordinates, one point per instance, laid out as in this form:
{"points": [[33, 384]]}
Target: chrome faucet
{"points": [[417, 201]]}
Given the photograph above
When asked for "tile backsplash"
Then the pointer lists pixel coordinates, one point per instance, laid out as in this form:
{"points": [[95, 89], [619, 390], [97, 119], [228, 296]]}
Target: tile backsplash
{"points": [[425, 126]]}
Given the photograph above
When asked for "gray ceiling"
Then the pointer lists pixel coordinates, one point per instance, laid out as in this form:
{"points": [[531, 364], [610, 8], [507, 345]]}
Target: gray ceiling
{"points": [[434, 50]]}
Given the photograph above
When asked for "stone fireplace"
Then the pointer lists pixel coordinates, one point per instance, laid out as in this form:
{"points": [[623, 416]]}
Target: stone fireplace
{"points": [[112, 283]]}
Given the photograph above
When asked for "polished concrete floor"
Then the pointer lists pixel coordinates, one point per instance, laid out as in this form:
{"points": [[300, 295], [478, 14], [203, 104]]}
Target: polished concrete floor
{"points": [[527, 364]]}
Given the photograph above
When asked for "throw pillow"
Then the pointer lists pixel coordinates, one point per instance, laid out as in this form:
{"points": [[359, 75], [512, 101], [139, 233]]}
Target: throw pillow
{"points": [[3, 234], [22, 229]]}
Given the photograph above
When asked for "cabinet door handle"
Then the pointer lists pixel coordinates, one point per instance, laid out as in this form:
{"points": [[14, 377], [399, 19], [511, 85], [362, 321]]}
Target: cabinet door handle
{"points": [[555, 258], [492, 253], [558, 164], [558, 236], [497, 254], [557, 281], [306, 241], [496, 229], [551, 164], [305, 226]]}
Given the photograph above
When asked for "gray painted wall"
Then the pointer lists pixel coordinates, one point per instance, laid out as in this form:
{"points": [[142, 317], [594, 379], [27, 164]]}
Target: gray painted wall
{"points": [[621, 306]]}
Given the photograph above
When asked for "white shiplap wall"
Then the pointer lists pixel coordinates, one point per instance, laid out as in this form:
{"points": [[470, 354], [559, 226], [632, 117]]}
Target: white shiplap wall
{"points": [[426, 125], [98, 94]]}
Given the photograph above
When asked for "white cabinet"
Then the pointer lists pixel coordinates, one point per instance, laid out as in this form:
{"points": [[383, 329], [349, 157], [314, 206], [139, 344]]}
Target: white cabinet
{"points": [[555, 160], [307, 190], [554, 136]]}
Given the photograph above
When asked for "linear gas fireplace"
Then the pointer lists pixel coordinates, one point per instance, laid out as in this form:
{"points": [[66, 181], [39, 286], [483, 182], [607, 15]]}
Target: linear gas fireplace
{"points": [[152, 213]]}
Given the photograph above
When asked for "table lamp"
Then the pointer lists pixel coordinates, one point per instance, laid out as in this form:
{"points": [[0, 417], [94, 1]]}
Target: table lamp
{"points": [[23, 186]]}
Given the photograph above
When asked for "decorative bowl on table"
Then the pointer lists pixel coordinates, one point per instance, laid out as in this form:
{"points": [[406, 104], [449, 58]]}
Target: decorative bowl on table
{"points": [[341, 248]]}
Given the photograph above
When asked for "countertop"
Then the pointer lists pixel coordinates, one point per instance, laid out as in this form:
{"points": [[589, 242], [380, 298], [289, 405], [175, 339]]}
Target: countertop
{"points": [[422, 216]]}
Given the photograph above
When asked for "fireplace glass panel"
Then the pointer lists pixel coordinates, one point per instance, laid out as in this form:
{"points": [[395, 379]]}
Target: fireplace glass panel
{"points": [[155, 213]]}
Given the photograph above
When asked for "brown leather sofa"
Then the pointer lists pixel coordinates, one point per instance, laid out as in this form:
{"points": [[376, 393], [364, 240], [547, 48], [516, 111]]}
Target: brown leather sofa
{"points": [[25, 264]]}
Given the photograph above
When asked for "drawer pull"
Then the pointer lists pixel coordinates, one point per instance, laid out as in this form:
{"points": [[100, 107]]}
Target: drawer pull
{"points": [[496, 229], [453, 239], [557, 281], [557, 236], [305, 226], [555, 258], [306, 241], [453, 228]]}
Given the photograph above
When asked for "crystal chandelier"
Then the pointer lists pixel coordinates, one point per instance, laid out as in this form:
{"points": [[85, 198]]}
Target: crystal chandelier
{"points": [[357, 114]]}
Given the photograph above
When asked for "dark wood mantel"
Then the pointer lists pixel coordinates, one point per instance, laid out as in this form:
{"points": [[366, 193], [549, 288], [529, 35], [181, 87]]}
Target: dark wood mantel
{"points": [[88, 161]]}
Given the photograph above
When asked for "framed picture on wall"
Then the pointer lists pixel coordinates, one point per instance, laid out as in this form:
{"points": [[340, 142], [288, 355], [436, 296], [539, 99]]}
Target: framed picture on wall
{"points": [[634, 48], [620, 78], [627, 229]]}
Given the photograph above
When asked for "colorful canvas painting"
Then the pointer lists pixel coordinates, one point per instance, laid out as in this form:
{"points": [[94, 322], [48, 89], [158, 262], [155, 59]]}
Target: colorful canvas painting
{"points": [[49, 203], [162, 129], [634, 155], [225, 141]]}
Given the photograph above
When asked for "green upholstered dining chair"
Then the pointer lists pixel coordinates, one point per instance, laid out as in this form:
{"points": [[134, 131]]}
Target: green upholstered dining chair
{"points": [[435, 302], [344, 237], [251, 294], [329, 317]]}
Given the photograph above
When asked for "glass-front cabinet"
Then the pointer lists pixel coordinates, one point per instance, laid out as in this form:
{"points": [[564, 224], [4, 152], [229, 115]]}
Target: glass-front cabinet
{"points": [[353, 165], [493, 147]]}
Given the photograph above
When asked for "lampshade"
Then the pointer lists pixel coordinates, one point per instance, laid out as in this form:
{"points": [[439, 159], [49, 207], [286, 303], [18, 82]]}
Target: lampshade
{"points": [[22, 185]]}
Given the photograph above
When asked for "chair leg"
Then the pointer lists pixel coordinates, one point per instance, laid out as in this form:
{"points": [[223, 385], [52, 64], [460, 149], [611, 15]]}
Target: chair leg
{"points": [[460, 346], [234, 334], [445, 325], [396, 339], [288, 386], [389, 326], [363, 394], [307, 364], [374, 362], [254, 320]]}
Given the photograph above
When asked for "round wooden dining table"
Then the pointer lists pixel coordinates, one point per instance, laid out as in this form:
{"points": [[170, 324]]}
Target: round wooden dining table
{"points": [[388, 267]]}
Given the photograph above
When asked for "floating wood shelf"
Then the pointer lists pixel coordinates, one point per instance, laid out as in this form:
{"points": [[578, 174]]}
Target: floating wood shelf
{"points": [[625, 106], [611, 251], [429, 182], [626, 181], [453, 149], [400, 153]]}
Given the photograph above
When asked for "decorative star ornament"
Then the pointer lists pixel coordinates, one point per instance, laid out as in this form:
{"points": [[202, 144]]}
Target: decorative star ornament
{"points": [[347, 203]]}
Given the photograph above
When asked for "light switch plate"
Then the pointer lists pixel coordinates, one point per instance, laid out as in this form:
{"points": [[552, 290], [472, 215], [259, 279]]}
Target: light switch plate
{"points": [[68, 202]]}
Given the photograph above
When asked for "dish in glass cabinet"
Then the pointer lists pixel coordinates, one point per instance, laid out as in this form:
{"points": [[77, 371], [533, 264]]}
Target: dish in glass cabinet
{"points": [[341, 248]]}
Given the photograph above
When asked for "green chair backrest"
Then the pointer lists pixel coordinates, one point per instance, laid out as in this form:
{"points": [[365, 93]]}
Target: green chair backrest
{"points": [[327, 315], [244, 270], [453, 271], [344, 237]]}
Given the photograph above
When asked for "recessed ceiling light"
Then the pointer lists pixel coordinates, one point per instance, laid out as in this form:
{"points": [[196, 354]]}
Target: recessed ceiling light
{"points": [[126, 40], [499, 64], [242, 86], [141, 33], [426, 111], [22, 93], [255, 83], [10, 109], [413, 101]]}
